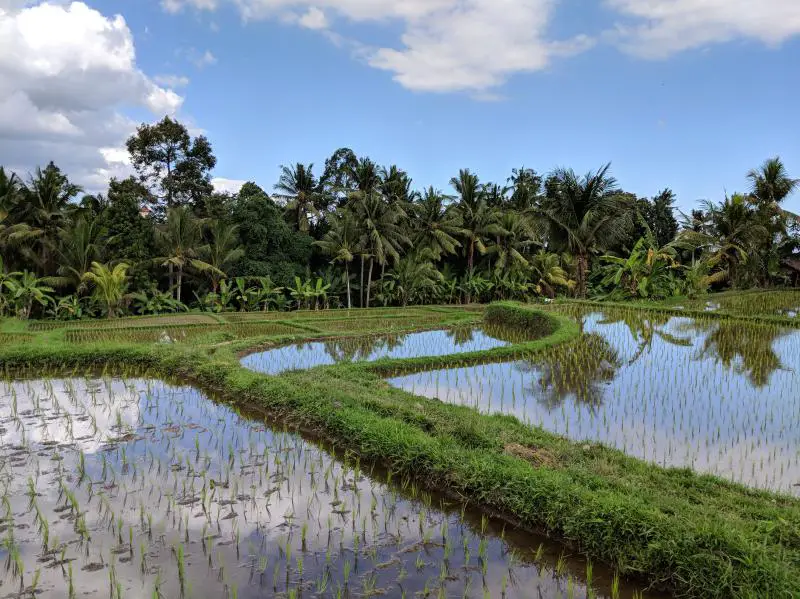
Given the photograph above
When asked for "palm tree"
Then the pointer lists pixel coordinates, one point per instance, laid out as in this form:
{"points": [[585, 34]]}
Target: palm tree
{"points": [[47, 197], [222, 250], [110, 285], [514, 239], [771, 183], [475, 214], [585, 215], [341, 244], [301, 191], [79, 249], [437, 226], [180, 239], [729, 233], [526, 188], [382, 235], [548, 273]]}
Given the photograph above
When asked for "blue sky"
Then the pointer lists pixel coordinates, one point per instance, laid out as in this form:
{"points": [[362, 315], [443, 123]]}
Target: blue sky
{"points": [[687, 94]]}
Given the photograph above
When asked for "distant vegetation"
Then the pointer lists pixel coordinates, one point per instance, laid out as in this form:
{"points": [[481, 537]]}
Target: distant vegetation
{"points": [[356, 234]]}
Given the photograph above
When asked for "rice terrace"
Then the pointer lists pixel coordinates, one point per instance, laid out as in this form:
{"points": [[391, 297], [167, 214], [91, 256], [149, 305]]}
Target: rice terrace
{"points": [[569, 449]]}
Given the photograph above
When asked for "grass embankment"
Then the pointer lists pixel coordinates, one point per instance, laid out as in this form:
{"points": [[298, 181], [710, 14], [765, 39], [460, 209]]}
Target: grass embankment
{"points": [[694, 535]]}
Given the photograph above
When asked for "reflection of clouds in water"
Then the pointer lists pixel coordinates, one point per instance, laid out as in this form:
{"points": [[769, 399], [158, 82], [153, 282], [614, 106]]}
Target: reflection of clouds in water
{"points": [[74, 411], [268, 486], [682, 394]]}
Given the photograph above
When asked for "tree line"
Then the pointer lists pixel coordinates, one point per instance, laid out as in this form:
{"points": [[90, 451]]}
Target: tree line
{"points": [[356, 234]]}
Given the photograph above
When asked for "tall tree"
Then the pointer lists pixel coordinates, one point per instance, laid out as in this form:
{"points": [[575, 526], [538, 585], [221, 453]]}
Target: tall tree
{"points": [[526, 189], [301, 191], [437, 226], [47, 197], [585, 215], [341, 243], [222, 250], [180, 239], [478, 220], [174, 166]]}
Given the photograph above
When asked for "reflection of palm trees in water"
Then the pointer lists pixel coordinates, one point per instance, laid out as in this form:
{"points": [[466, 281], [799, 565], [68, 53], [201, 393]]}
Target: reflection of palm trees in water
{"points": [[643, 328], [574, 370], [744, 348], [360, 348], [461, 335]]}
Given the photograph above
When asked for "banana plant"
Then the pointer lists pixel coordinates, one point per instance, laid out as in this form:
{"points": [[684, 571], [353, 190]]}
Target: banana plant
{"points": [[25, 291]]}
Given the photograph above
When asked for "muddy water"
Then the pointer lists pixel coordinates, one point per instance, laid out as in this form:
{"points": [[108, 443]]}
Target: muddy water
{"points": [[716, 396], [134, 488], [429, 343]]}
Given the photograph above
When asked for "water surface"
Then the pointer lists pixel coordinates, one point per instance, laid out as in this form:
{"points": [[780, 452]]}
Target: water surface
{"points": [[717, 396], [368, 348], [138, 489]]}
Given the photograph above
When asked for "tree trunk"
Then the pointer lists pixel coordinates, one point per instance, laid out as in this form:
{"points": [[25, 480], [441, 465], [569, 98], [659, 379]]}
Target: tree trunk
{"points": [[470, 263], [369, 279], [347, 277], [361, 284], [171, 280], [582, 262], [385, 297], [180, 283]]}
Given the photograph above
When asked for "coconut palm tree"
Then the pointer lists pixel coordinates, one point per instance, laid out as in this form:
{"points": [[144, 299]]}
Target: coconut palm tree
{"points": [[585, 215], [548, 273], [477, 218], [47, 197], [382, 236], [437, 226], [79, 248], [180, 240], [341, 244], [110, 285], [771, 183], [221, 251], [514, 238], [730, 231], [301, 191]]}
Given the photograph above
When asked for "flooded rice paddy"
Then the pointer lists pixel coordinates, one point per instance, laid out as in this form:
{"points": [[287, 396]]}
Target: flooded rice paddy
{"points": [[412, 345], [135, 488], [717, 396]]}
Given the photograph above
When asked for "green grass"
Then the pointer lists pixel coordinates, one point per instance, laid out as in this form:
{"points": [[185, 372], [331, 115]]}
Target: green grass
{"points": [[694, 535]]}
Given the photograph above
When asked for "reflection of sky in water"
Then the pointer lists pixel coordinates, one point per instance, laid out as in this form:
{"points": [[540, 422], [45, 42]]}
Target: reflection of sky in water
{"points": [[719, 397], [148, 477], [319, 353]]}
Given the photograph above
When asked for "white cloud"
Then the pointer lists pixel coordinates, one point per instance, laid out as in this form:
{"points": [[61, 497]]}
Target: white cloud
{"points": [[66, 71], [222, 184], [659, 28], [206, 59], [314, 18], [171, 81], [447, 45]]}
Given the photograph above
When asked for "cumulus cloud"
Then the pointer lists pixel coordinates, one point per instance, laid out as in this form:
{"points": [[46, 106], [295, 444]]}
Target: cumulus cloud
{"points": [[223, 185], [66, 72], [314, 18], [446, 45], [172, 81], [660, 28]]}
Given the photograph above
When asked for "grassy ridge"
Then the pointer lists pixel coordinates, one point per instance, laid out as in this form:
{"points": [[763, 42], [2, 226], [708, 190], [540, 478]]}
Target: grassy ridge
{"points": [[695, 535]]}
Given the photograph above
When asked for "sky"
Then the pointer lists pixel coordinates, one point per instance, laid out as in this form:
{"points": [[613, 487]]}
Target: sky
{"points": [[686, 94]]}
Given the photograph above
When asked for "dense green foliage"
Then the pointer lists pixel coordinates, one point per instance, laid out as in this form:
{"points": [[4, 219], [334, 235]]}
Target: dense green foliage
{"points": [[361, 235]]}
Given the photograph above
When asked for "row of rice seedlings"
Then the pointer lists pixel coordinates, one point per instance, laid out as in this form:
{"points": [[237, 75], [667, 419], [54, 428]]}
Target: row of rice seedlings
{"points": [[172, 495], [16, 338], [321, 314], [715, 396]]}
